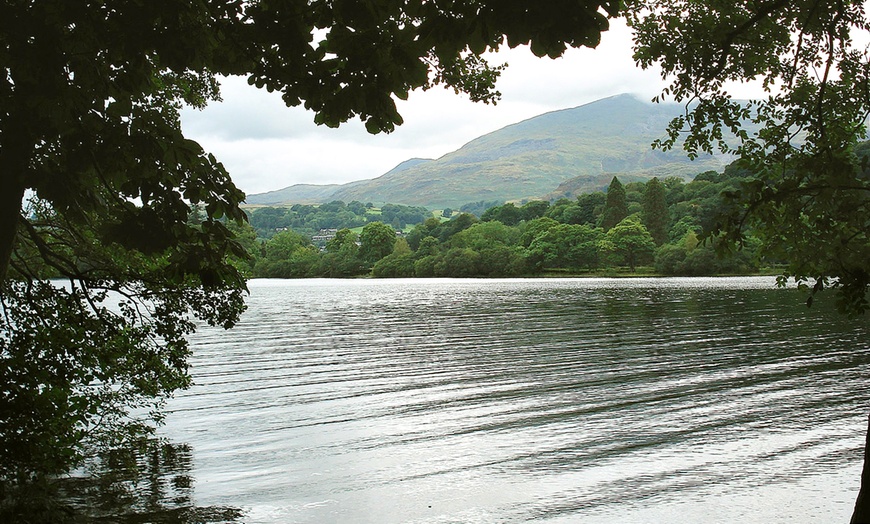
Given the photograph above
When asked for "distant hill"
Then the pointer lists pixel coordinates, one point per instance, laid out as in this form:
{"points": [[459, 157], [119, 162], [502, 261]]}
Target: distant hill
{"points": [[299, 194], [529, 159], [573, 187], [319, 194]]}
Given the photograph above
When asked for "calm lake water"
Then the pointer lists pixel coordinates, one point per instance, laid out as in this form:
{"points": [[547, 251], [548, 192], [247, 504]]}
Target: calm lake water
{"points": [[558, 401]]}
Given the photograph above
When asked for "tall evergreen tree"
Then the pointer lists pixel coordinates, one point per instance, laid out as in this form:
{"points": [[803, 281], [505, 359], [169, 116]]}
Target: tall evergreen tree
{"points": [[655, 211], [615, 207]]}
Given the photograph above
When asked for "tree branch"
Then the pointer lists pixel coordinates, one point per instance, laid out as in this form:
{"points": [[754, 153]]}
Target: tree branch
{"points": [[732, 35]]}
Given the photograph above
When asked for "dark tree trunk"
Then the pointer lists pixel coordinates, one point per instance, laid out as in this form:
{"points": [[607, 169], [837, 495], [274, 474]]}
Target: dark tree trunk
{"points": [[16, 150], [11, 195], [861, 515]]}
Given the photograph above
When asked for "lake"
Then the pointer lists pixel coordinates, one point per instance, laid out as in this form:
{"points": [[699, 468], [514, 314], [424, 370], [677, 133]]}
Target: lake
{"points": [[547, 400]]}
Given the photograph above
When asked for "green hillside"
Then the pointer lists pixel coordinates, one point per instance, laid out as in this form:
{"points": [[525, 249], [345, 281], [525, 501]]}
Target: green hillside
{"points": [[298, 194], [529, 159]]}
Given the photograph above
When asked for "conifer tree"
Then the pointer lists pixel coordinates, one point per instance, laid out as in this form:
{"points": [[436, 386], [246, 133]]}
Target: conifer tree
{"points": [[615, 207], [655, 211]]}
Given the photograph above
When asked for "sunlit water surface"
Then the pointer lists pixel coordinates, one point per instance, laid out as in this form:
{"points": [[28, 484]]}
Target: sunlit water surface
{"points": [[560, 401]]}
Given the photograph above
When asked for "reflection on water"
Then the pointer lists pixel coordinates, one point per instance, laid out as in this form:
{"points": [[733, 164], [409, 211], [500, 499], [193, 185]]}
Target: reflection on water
{"points": [[149, 482], [645, 401]]}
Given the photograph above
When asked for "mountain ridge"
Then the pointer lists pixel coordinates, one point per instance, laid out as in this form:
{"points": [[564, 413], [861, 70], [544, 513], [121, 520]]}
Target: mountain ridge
{"points": [[525, 160]]}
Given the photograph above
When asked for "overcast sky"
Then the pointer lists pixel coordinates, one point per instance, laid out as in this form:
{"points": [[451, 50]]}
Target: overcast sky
{"points": [[267, 146]]}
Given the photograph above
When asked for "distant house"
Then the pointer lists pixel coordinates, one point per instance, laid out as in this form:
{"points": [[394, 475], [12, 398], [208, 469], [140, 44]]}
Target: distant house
{"points": [[324, 235]]}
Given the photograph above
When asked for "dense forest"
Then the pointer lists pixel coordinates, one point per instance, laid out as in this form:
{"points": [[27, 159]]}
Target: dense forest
{"points": [[657, 227], [308, 220]]}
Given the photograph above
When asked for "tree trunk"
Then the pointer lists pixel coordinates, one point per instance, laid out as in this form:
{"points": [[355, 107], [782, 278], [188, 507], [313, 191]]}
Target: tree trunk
{"points": [[16, 150], [11, 195], [861, 515]]}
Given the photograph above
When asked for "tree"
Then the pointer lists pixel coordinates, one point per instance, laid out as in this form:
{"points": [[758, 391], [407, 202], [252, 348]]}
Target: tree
{"points": [[534, 209], [246, 236], [344, 239], [684, 225], [615, 207], [267, 220], [84, 363], [401, 247], [484, 235], [574, 214], [632, 243], [566, 246], [394, 266], [128, 69], [398, 264], [655, 211], [89, 129], [689, 257], [458, 262], [286, 255], [425, 266], [376, 241], [428, 246], [479, 208], [282, 245], [508, 214], [429, 227], [342, 256], [590, 207], [454, 225], [807, 200], [357, 207], [533, 228], [500, 260]]}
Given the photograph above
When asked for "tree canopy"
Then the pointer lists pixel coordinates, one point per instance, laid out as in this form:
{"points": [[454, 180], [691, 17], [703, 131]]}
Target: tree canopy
{"points": [[376, 241], [809, 198]]}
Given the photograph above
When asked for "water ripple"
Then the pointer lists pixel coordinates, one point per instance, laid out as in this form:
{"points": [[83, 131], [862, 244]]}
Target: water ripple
{"points": [[512, 400]]}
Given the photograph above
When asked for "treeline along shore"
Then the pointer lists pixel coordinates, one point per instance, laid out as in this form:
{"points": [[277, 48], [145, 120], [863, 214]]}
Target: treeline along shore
{"points": [[655, 227]]}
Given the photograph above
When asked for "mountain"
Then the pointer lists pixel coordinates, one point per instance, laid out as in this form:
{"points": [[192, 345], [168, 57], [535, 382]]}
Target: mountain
{"points": [[318, 194], [529, 159], [299, 194]]}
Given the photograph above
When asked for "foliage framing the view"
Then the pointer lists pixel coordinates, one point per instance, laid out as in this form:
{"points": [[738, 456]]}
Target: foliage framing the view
{"points": [[101, 188], [89, 128], [808, 202]]}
